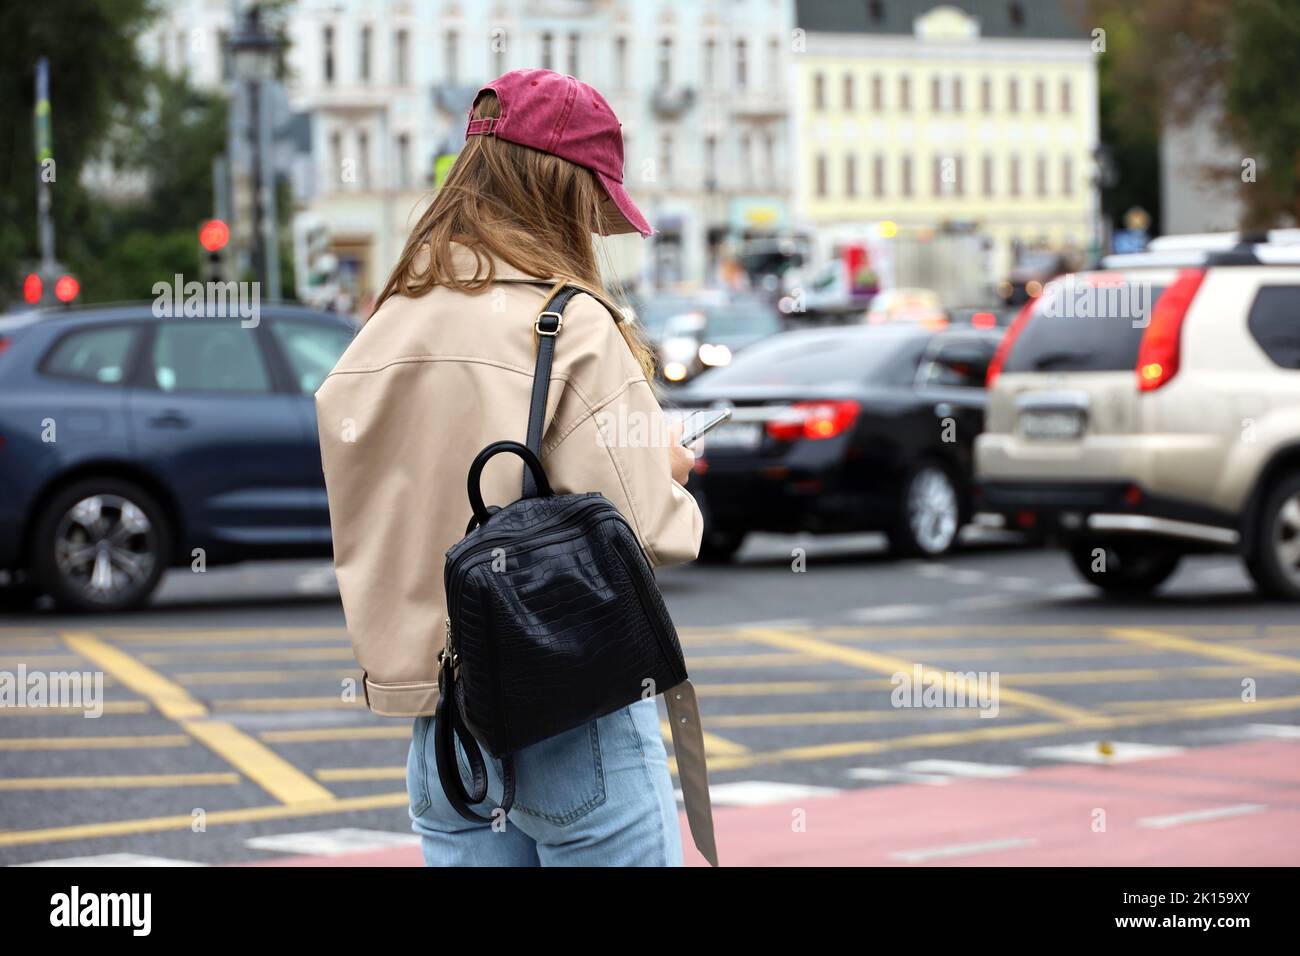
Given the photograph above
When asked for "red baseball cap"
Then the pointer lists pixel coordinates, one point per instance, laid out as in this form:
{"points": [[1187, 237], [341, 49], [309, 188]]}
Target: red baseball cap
{"points": [[565, 117]]}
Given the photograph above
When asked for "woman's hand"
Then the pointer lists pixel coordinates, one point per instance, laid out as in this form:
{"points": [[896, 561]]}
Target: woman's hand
{"points": [[680, 458]]}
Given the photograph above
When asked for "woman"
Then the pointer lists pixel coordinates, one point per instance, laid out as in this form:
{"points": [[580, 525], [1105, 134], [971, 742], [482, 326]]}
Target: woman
{"points": [[444, 367]]}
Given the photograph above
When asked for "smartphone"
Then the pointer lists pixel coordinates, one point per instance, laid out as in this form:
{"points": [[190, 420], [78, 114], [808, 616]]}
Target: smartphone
{"points": [[705, 423]]}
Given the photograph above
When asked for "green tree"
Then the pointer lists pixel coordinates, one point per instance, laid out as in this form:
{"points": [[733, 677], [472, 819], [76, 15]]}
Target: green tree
{"points": [[94, 68], [1168, 61]]}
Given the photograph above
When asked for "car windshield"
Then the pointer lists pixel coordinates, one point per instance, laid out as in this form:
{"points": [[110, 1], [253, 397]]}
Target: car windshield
{"points": [[742, 319], [1085, 324], [815, 358]]}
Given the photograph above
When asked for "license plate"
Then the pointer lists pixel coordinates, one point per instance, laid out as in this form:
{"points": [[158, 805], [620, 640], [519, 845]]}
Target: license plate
{"points": [[1046, 425], [734, 435]]}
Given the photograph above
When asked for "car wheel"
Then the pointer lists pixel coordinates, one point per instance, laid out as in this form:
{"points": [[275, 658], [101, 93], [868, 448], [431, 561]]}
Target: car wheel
{"points": [[930, 516], [100, 545], [1275, 563], [719, 547], [1124, 568]]}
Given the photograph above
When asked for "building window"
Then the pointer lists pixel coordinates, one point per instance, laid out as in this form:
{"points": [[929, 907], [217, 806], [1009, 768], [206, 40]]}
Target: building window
{"points": [[710, 162], [742, 64], [851, 176], [363, 160], [666, 62], [905, 176], [336, 158], [548, 51], [819, 91], [769, 156], [1040, 176], [1013, 176], [821, 176], [959, 175], [877, 92], [848, 91], [747, 158], [399, 58], [1040, 95], [1013, 95], [1016, 14], [363, 56], [905, 93], [774, 76], [878, 176], [936, 177], [620, 62], [403, 161], [451, 53], [223, 50], [987, 176], [1066, 104], [956, 94], [986, 95], [666, 157], [709, 66], [574, 50], [936, 94], [327, 62], [1067, 176]]}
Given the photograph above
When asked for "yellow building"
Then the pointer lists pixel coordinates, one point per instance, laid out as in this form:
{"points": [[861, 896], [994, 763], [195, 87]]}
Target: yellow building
{"points": [[978, 115]]}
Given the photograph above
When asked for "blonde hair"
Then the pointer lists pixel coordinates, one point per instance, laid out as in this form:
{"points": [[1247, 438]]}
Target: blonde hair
{"points": [[522, 206]]}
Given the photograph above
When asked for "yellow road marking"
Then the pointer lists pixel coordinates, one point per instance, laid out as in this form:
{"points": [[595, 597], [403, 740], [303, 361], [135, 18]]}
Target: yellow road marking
{"points": [[236, 635], [109, 707], [1165, 641], [170, 699], [816, 718], [94, 743], [713, 744], [886, 664], [120, 781], [353, 774], [1027, 651], [117, 828], [265, 677], [333, 702], [401, 731], [283, 654], [698, 662], [815, 752], [254, 759]]}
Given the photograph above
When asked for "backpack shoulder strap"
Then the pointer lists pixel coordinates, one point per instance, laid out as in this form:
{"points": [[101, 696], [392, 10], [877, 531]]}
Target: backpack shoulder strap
{"points": [[547, 325]]}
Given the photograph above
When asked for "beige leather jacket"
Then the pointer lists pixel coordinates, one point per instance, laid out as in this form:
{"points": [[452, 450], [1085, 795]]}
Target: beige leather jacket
{"points": [[426, 384]]}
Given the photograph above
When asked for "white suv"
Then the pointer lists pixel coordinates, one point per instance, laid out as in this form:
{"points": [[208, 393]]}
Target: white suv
{"points": [[1149, 411]]}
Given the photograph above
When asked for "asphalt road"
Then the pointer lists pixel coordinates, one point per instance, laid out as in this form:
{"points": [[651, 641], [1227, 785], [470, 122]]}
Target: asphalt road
{"points": [[226, 736]]}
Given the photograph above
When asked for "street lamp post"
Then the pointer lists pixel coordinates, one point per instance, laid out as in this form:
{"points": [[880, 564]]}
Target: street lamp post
{"points": [[255, 54]]}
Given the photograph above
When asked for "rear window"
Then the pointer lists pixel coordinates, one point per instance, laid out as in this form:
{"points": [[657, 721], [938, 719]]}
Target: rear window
{"points": [[802, 359], [1275, 323], [97, 354], [1085, 325]]}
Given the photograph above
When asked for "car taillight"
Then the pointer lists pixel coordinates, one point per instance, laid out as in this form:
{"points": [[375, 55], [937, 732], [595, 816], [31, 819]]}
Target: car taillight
{"points": [[1008, 340], [1158, 354], [813, 420]]}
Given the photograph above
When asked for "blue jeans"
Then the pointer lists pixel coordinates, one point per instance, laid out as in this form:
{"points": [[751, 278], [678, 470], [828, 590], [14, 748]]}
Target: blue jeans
{"points": [[598, 795]]}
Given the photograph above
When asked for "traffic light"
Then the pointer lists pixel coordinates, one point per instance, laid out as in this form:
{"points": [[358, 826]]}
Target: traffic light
{"points": [[214, 237], [37, 289]]}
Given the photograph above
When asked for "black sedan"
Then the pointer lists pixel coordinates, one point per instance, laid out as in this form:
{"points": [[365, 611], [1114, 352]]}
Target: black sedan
{"points": [[846, 429]]}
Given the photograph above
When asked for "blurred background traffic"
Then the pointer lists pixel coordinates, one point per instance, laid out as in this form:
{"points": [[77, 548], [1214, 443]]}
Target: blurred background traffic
{"points": [[1004, 297]]}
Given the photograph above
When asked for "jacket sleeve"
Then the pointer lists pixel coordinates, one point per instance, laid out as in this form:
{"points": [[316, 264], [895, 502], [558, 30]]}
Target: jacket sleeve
{"points": [[615, 440]]}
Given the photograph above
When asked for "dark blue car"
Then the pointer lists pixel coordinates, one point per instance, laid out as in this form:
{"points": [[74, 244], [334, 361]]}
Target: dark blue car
{"points": [[130, 444]]}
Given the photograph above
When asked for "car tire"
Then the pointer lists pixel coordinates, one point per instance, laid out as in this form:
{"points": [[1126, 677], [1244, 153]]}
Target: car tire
{"points": [[100, 544], [1274, 562], [719, 547], [930, 513], [1131, 568]]}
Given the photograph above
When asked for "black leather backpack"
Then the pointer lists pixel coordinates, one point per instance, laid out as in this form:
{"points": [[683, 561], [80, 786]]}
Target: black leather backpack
{"points": [[554, 616]]}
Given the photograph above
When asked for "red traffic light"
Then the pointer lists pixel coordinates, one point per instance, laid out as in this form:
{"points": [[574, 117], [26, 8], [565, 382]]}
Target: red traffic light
{"points": [[213, 235], [66, 289], [32, 288]]}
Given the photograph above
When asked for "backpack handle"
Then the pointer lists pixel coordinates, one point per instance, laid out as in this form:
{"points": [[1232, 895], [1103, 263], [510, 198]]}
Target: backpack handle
{"points": [[533, 463]]}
